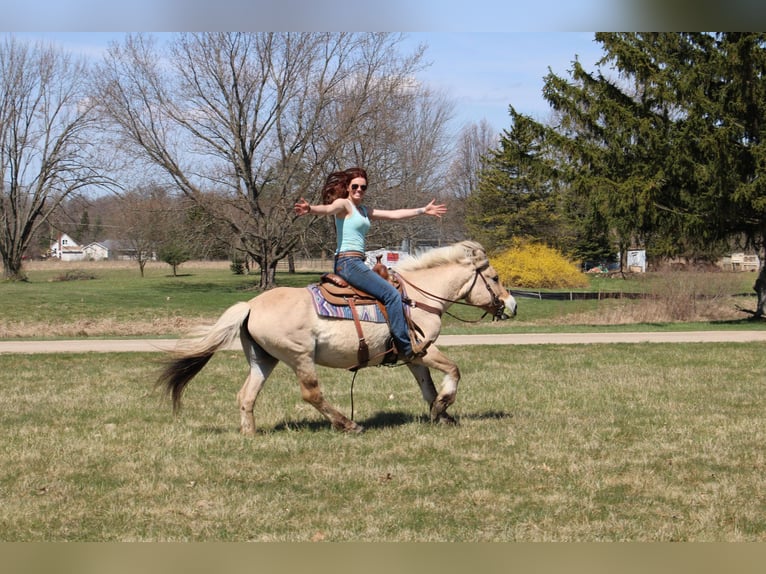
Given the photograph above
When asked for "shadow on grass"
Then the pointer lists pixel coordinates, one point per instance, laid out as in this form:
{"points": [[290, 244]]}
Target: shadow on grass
{"points": [[380, 420], [388, 419]]}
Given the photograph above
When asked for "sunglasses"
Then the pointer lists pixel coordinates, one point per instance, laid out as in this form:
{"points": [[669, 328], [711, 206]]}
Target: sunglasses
{"points": [[355, 186]]}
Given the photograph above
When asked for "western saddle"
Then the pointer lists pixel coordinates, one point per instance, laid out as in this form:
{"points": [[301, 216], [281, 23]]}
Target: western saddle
{"points": [[337, 291]]}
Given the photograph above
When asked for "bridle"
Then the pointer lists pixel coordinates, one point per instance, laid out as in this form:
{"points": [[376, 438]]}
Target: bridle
{"points": [[497, 307]]}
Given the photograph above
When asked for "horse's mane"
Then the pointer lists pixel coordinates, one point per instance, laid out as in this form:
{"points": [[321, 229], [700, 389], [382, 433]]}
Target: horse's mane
{"points": [[465, 252]]}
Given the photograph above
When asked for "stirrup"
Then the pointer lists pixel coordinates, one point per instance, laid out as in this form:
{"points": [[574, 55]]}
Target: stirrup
{"points": [[419, 349]]}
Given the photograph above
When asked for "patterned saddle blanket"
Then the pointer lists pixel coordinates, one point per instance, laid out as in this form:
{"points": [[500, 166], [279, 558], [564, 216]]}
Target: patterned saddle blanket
{"points": [[370, 313]]}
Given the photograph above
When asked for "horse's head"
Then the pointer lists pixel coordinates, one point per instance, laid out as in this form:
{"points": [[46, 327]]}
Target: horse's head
{"points": [[486, 290], [476, 282]]}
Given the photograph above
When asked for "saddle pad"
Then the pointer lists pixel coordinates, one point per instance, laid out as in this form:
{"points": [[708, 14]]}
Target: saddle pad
{"points": [[369, 313]]}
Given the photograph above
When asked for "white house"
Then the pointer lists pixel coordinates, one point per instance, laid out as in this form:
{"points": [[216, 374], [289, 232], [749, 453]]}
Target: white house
{"points": [[741, 262], [96, 251], [67, 249]]}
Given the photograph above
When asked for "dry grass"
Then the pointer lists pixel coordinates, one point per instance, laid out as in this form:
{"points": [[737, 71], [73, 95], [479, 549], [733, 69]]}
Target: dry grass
{"points": [[100, 327], [671, 297], [119, 303], [556, 443], [653, 311], [53, 264]]}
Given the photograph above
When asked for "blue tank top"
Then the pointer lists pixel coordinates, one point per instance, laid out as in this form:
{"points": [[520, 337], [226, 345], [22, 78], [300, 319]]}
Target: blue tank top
{"points": [[352, 230]]}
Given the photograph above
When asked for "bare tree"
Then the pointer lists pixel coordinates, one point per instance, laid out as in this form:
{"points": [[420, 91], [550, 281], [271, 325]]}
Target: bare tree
{"points": [[146, 221], [474, 141], [45, 139], [258, 118]]}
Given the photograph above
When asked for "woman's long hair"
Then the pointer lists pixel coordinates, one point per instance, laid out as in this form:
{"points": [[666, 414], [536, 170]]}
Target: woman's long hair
{"points": [[337, 183]]}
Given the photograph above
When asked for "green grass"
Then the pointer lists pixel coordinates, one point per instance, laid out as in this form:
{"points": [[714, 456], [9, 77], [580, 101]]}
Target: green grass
{"points": [[158, 303], [120, 303], [123, 293], [640, 442]]}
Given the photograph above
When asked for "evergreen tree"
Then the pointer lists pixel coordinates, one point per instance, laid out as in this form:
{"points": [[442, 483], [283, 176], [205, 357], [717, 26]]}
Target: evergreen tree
{"points": [[516, 195], [82, 234], [664, 139]]}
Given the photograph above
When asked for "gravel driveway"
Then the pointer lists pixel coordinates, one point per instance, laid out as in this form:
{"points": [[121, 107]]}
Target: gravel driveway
{"points": [[158, 345]]}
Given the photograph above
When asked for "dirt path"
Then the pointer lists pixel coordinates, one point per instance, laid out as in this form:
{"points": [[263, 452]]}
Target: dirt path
{"points": [[159, 345]]}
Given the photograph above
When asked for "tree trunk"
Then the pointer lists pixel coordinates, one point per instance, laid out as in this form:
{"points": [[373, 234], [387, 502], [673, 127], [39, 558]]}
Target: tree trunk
{"points": [[267, 268], [12, 269], [760, 291]]}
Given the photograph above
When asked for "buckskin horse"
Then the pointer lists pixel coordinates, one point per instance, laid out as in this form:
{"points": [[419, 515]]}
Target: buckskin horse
{"points": [[283, 324]]}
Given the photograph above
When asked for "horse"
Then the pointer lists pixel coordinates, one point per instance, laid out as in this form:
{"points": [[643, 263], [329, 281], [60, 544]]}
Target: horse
{"points": [[282, 324]]}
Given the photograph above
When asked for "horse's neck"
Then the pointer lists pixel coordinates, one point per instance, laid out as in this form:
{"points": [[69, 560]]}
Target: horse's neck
{"points": [[445, 282]]}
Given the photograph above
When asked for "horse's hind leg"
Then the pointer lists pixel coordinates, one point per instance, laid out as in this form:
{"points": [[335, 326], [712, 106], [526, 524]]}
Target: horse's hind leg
{"points": [[312, 394], [261, 366]]}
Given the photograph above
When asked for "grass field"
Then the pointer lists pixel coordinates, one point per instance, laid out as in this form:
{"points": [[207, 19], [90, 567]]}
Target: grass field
{"points": [[644, 442], [113, 300], [555, 443]]}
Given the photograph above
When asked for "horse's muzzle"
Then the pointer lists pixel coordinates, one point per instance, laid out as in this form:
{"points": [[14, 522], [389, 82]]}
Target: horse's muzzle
{"points": [[509, 309]]}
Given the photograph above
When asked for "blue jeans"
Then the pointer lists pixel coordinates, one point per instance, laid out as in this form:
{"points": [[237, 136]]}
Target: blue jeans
{"points": [[354, 270]]}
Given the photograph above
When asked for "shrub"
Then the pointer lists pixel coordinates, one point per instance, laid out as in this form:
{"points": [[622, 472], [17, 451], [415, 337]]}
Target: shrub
{"points": [[174, 254], [534, 265], [237, 266], [74, 275]]}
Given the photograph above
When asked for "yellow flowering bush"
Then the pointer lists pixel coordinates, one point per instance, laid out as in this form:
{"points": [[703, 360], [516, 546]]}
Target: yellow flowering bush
{"points": [[534, 265]]}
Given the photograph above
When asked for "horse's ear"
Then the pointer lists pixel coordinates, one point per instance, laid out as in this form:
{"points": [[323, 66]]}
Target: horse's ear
{"points": [[478, 253]]}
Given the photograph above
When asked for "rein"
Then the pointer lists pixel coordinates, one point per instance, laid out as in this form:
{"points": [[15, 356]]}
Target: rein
{"points": [[497, 304]]}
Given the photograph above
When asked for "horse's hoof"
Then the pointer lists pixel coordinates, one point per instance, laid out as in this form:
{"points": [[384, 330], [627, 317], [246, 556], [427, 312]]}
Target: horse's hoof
{"points": [[445, 419], [349, 427]]}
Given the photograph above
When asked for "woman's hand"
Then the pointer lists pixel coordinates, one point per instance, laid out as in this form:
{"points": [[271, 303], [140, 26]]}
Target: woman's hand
{"points": [[435, 210], [302, 207]]}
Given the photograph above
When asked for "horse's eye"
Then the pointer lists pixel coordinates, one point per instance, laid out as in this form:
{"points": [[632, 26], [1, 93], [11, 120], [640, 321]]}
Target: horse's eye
{"points": [[496, 279]]}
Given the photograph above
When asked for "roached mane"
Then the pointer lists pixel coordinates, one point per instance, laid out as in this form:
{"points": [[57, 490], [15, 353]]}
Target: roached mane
{"points": [[465, 252]]}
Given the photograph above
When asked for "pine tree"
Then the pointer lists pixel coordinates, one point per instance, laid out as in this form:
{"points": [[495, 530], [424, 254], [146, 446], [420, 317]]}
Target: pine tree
{"points": [[516, 195], [665, 139]]}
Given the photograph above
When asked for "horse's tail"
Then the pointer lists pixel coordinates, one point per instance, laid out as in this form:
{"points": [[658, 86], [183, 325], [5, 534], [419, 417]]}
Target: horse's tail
{"points": [[189, 359]]}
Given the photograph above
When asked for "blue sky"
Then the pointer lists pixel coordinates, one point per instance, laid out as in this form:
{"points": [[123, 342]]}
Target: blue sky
{"points": [[483, 72], [328, 15]]}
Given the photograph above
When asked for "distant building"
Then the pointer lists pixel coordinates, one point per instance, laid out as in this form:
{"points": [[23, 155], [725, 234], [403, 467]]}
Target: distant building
{"points": [[637, 261], [67, 249], [124, 251], [96, 251], [740, 262]]}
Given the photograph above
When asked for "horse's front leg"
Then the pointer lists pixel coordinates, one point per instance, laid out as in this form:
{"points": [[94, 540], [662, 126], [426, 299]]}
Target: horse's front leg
{"points": [[425, 381], [446, 396], [312, 394]]}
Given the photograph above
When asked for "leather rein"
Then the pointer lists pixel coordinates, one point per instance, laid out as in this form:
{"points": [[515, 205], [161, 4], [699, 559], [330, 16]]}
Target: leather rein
{"points": [[498, 307]]}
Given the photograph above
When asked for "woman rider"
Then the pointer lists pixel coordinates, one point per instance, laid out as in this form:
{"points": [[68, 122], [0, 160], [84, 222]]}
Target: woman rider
{"points": [[342, 197]]}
